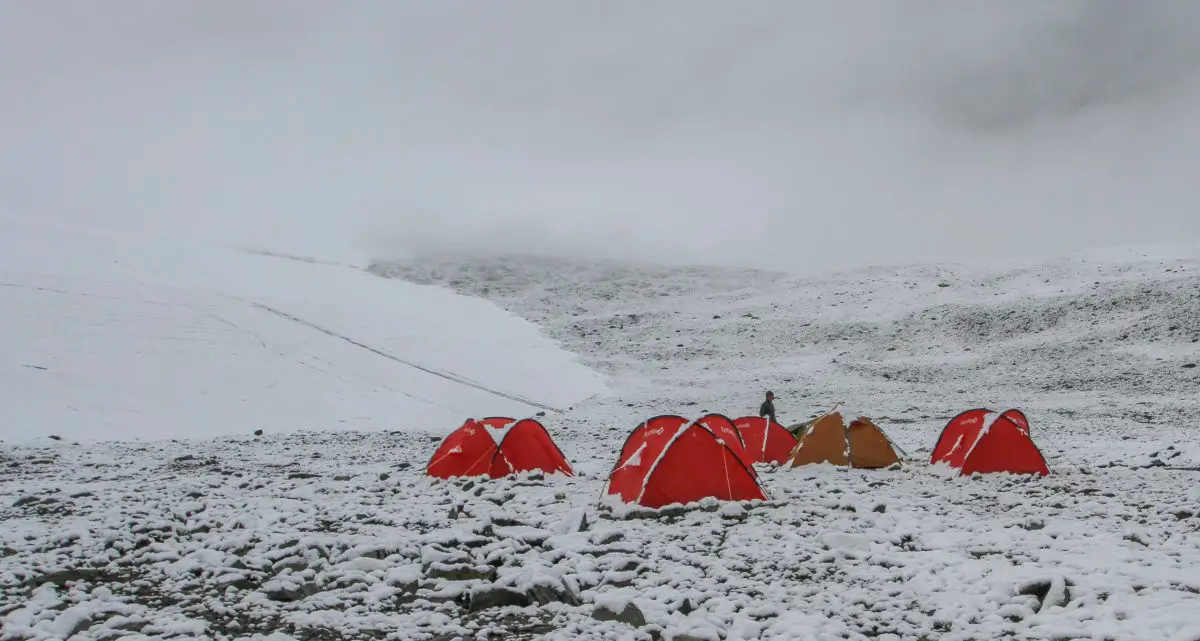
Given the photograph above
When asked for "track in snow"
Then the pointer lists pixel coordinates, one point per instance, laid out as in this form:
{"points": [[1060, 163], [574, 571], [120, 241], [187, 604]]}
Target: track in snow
{"points": [[450, 376]]}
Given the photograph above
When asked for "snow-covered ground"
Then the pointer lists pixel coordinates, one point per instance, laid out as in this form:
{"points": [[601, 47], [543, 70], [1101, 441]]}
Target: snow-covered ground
{"points": [[107, 336], [329, 535]]}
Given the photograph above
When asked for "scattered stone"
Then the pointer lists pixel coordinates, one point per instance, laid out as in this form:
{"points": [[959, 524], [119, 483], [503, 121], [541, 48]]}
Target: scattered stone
{"points": [[76, 575], [881, 508], [1189, 366], [258, 432], [302, 475], [1050, 593], [630, 614], [185, 457], [523, 533], [501, 520], [628, 565], [342, 477], [543, 593], [604, 538], [574, 522], [461, 572], [486, 597], [733, 511], [55, 437], [384, 476], [1038, 589], [25, 500], [83, 622], [290, 593], [619, 579], [687, 607]]}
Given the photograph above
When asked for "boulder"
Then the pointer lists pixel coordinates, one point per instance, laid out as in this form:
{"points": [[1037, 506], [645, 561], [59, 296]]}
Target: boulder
{"points": [[288, 592], [490, 596], [461, 572], [544, 593], [1049, 592], [628, 613]]}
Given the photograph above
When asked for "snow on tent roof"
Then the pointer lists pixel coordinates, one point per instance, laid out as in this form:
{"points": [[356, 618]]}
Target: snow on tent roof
{"points": [[498, 432]]}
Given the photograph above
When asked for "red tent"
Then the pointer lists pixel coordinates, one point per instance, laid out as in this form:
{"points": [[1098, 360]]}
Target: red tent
{"points": [[983, 441], [766, 441], [669, 459], [723, 428], [497, 446]]}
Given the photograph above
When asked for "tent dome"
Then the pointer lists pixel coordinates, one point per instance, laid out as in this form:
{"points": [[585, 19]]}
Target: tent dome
{"points": [[669, 459]]}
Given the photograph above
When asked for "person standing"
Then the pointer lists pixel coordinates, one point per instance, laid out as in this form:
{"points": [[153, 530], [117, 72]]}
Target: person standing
{"points": [[768, 407]]}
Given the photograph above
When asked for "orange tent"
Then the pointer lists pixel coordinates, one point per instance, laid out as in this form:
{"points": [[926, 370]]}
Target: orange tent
{"points": [[858, 443]]}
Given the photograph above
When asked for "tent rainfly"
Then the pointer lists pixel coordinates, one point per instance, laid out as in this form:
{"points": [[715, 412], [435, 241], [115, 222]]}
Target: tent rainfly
{"points": [[857, 443], [766, 441], [496, 447], [669, 459], [984, 441]]}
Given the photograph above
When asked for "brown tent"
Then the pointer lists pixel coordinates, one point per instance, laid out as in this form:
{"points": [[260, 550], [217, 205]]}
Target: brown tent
{"points": [[830, 439]]}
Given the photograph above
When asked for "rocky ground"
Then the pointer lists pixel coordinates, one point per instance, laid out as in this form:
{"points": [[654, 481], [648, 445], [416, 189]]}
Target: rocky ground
{"points": [[341, 536]]}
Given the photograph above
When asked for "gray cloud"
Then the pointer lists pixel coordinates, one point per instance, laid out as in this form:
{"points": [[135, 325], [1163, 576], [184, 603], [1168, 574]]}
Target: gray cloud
{"points": [[791, 134]]}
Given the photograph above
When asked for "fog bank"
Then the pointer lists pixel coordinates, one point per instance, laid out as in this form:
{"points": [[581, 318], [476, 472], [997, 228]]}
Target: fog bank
{"points": [[794, 134]]}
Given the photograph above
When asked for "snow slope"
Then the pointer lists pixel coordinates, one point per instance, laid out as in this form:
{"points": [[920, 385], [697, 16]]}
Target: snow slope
{"points": [[112, 337]]}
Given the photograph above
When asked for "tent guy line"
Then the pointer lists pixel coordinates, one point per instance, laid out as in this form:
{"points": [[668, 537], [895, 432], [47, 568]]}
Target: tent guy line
{"points": [[450, 376]]}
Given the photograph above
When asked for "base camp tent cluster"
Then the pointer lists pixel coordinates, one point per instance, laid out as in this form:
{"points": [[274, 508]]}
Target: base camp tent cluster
{"points": [[670, 459]]}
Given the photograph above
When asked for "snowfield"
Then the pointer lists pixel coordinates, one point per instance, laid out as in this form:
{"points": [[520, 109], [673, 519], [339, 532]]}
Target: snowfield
{"points": [[114, 337], [338, 534]]}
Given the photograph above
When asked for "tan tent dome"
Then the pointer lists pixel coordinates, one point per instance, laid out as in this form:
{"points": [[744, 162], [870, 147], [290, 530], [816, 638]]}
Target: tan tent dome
{"points": [[830, 438]]}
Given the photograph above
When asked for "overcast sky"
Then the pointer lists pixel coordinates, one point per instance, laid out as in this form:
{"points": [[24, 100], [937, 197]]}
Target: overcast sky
{"points": [[790, 134]]}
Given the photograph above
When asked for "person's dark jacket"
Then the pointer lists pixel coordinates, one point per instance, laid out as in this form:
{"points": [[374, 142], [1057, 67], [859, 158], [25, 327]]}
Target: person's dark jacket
{"points": [[768, 409]]}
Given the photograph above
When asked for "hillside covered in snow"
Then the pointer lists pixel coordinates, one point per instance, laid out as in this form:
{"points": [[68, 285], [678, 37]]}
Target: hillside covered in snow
{"points": [[1105, 342], [340, 535], [109, 336]]}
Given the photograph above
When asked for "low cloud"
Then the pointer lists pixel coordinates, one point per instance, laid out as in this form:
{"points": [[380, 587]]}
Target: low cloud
{"points": [[801, 135]]}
